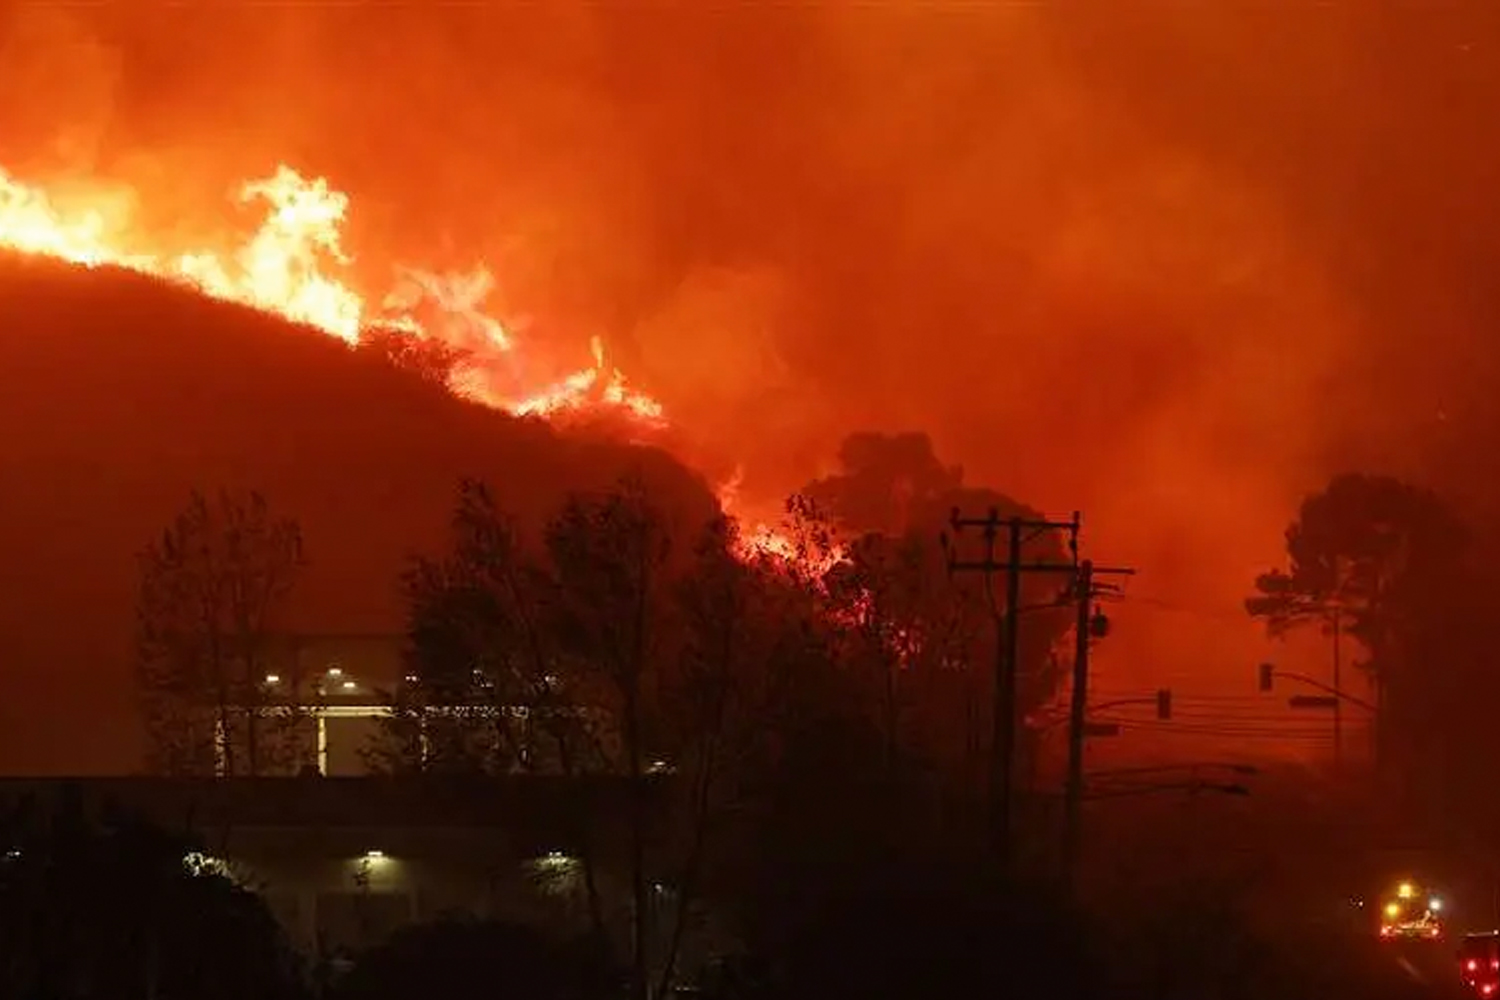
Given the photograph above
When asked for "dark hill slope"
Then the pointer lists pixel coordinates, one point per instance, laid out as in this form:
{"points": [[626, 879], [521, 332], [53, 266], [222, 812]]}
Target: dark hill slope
{"points": [[118, 395]]}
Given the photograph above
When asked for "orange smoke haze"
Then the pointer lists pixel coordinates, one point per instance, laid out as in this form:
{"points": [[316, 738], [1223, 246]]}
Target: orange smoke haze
{"points": [[1168, 265]]}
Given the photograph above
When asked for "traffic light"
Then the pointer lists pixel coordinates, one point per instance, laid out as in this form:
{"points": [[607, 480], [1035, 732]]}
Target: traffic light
{"points": [[1267, 674], [1164, 704]]}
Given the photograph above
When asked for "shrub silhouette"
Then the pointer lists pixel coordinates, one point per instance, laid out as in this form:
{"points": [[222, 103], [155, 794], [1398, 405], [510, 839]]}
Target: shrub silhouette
{"points": [[106, 906]]}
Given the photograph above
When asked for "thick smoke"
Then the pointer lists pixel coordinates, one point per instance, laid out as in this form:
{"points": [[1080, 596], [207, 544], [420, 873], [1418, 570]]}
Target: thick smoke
{"points": [[1171, 265]]}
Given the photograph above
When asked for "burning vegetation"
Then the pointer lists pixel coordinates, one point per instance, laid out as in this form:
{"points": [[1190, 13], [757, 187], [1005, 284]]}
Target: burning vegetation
{"points": [[295, 266]]}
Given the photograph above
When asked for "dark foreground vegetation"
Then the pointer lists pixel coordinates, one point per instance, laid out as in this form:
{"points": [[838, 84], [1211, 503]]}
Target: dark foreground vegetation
{"points": [[818, 725], [105, 906]]}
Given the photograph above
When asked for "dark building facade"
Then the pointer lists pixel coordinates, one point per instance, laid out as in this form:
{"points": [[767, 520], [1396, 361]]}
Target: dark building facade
{"points": [[343, 862]]}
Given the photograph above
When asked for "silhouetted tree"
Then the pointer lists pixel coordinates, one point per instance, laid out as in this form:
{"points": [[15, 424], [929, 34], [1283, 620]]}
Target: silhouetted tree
{"points": [[615, 648], [209, 588], [754, 647], [1389, 558], [815, 810], [884, 483], [914, 632], [600, 651], [491, 686], [927, 636], [609, 553], [108, 905], [483, 683], [1355, 545]]}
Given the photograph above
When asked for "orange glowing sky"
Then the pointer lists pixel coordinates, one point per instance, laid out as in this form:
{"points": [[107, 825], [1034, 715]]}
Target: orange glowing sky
{"points": [[1168, 267]]}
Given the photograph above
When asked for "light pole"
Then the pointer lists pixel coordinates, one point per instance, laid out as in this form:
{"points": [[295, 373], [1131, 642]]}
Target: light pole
{"points": [[1079, 729], [1333, 697], [1335, 620]]}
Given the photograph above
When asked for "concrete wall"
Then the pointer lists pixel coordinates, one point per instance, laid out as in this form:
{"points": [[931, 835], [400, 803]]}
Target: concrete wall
{"points": [[349, 888]]}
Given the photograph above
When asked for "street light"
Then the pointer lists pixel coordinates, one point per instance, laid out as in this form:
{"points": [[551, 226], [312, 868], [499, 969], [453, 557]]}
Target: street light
{"points": [[1312, 701], [1106, 727], [1332, 699]]}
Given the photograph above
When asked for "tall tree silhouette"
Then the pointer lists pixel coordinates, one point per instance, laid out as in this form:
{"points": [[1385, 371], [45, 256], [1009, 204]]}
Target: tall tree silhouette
{"points": [[1388, 558], [927, 637], [607, 648], [209, 588], [483, 691], [609, 553]]}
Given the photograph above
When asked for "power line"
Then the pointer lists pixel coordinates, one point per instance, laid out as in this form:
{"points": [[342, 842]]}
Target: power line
{"points": [[1181, 698], [1173, 607], [1237, 732], [1085, 629], [1203, 718]]}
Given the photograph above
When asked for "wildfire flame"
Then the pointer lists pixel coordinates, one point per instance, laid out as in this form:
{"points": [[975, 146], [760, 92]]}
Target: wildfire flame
{"points": [[295, 266], [759, 539]]}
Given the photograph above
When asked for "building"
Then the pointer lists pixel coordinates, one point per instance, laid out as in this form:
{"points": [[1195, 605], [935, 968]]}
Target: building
{"points": [[345, 855], [329, 697], [315, 704], [343, 862], [346, 681]]}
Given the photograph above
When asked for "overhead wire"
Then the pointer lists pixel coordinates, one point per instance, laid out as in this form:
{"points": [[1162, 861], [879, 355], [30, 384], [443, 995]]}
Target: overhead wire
{"points": [[1239, 732], [1159, 604], [1250, 716]]}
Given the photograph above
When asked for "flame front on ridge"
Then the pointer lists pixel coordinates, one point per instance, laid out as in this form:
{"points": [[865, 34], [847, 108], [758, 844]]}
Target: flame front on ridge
{"points": [[291, 267]]}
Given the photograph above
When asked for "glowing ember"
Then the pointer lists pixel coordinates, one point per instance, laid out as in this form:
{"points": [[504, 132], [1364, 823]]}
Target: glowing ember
{"points": [[760, 540], [602, 383]]}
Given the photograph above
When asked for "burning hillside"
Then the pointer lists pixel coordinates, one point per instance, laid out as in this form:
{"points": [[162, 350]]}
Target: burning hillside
{"points": [[119, 394], [294, 265], [1111, 259], [139, 368]]}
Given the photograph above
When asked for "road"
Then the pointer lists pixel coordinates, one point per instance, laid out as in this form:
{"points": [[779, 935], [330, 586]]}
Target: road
{"points": [[1422, 970]]}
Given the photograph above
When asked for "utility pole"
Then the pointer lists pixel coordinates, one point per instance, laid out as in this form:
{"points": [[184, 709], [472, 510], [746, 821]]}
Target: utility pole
{"points": [[1078, 715], [1338, 705], [1007, 645], [1087, 628], [1004, 736], [1333, 607]]}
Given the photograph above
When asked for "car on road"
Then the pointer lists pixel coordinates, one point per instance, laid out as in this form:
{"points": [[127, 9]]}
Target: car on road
{"points": [[1479, 962]]}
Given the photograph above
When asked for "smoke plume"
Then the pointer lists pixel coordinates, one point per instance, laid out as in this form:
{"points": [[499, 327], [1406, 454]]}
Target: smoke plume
{"points": [[1171, 265]]}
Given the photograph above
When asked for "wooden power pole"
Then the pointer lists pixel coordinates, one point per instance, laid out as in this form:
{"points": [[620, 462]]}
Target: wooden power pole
{"points": [[1088, 627], [1007, 646]]}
